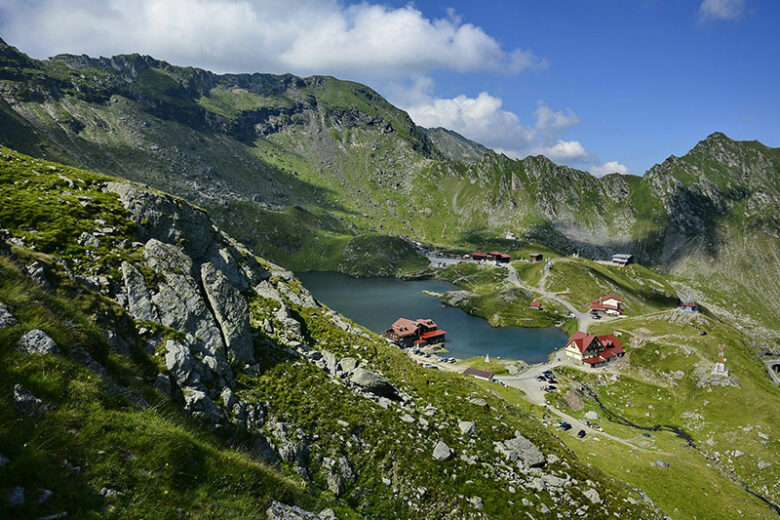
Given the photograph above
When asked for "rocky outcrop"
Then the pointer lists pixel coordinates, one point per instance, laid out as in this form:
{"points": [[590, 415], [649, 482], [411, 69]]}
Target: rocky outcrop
{"points": [[521, 451], [231, 311], [37, 342], [138, 298], [279, 511]]}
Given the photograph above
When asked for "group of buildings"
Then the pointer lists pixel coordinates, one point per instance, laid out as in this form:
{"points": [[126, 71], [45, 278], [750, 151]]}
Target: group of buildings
{"points": [[415, 333], [496, 256]]}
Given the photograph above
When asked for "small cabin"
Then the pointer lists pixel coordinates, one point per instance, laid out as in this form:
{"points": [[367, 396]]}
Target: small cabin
{"points": [[622, 259], [479, 374], [536, 305], [536, 257], [689, 306], [501, 258]]}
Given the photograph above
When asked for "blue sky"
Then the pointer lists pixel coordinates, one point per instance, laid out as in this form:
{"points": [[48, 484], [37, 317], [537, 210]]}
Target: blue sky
{"points": [[603, 85]]}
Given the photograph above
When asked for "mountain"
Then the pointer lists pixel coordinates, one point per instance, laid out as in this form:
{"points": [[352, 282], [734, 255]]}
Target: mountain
{"points": [[152, 366], [309, 171]]}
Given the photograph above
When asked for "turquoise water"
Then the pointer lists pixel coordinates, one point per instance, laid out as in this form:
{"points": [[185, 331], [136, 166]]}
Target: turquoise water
{"points": [[376, 303]]}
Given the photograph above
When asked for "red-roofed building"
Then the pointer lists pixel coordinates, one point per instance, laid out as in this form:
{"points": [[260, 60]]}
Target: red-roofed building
{"points": [[536, 305], [419, 333], [608, 304], [479, 256], [480, 374], [593, 350]]}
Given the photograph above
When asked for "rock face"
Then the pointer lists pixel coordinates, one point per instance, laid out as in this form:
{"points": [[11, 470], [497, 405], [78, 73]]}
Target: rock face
{"points": [[138, 298], [37, 342], [442, 452], [6, 318], [232, 313], [522, 451]]}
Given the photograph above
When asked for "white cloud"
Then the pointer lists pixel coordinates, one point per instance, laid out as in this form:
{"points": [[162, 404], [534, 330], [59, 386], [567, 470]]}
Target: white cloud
{"points": [[483, 119], [608, 167], [566, 152], [303, 36], [722, 9]]}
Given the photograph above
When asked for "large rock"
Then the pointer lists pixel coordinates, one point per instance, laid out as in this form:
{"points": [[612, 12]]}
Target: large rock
{"points": [[592, 416], [442, 452], [139, 301], [370, 382], [6, 318], [26, 403], [185, 369], [179, 300], [37, 342], [166, 218], [279, 511], [522, 451], [467, 427], [231, 311], [201, 406]]}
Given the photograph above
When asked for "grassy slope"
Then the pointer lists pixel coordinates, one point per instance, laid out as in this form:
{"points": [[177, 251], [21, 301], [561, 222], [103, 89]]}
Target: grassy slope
{"points": [[167, 466]]}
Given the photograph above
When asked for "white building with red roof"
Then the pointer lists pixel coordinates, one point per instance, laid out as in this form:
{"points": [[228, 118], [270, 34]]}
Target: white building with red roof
{"points": [[593, 350], [608, 304]]}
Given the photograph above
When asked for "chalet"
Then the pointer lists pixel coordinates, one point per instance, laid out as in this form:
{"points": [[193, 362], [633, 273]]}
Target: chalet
{"points": [[418, 333], [510, 236], [479, 374], [609, 304], [536, 257], [536, 305], [622, 259], [500, 258], [593, 350], [479, 256], [689, 306]]}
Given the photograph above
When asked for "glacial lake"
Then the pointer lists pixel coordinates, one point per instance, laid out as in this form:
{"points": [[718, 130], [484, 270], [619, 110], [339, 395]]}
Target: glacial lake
{"points": [[376, 303]]}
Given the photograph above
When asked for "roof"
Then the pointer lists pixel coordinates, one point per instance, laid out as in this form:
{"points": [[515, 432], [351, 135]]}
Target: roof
{"points": [[403, 327], [427, 322], [433, 334], [479, 254], [625, 256], [535, 304], [688, 304], [495, 253], [613, 297], [478, 373], [502, 255], [582, 340]]}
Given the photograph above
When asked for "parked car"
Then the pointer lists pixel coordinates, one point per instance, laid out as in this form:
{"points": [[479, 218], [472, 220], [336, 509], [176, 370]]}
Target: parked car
{"points": [[564, 425], [548, 374], [581, 434], [646, 435], [551, 388], [428, 365], [427, 355], [595, 316], [596, 427], [541, 378]]}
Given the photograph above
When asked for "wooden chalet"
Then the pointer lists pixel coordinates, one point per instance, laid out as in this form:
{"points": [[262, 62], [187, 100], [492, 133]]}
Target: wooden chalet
{"points": [[536, 257], [622, 259], [417, 333], [479, 256], [593, 350]]}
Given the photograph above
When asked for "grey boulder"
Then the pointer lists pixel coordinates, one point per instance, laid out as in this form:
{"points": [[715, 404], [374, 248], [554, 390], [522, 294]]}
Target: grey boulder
{"points": [[26, 403], [6, 318], [279, 511], [442, 452], [37, 342], [521, 450], [467, 427], [370, 382]]}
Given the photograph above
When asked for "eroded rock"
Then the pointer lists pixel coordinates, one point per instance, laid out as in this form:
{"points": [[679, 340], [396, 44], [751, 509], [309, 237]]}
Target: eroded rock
{"points": [[37, 342]]}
